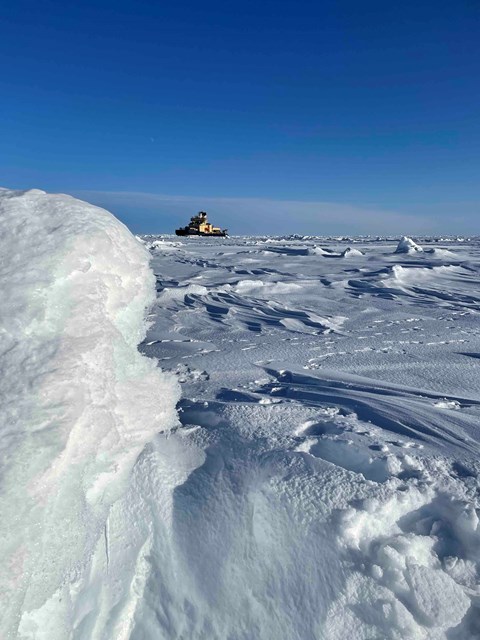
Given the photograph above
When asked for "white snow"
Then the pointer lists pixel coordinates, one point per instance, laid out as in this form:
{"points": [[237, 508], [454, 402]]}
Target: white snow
{"points": [[323, 479], [259, 287], [338, 489], [78, 400], [163, 245], [351, 253], [440, 253], [318, 251], [407, 245]]}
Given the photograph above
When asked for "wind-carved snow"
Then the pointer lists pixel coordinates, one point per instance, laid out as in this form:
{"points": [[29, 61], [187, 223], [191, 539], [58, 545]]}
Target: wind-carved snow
{"points": [[323, 478], [79, 403], [407, 245], [334, 408]]}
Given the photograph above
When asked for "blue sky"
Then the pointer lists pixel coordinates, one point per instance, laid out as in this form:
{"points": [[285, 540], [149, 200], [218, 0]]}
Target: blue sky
{"points": [[342, 116]]}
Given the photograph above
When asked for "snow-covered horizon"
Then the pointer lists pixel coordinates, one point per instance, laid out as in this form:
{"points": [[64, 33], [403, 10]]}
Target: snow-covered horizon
{"points": [[290, 453], [296, 237]]}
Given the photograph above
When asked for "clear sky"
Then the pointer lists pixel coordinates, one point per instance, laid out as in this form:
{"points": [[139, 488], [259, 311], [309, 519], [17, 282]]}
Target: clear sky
{"points": [[315, 117]]}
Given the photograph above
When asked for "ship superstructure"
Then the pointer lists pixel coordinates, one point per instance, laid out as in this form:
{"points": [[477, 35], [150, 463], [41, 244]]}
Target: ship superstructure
{"points": [[199, 226]]}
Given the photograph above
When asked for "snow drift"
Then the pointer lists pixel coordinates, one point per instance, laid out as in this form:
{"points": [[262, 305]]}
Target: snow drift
{"points": [[407, 245], [79, 401], [294, 500], [332, 484], [352, 253]]}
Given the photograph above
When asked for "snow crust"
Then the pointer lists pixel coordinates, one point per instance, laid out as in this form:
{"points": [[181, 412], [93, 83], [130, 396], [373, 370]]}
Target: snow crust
{"points": [[79, 402]]}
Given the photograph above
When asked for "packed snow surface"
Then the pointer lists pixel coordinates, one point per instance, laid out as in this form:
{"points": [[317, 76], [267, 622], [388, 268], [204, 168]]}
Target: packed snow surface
{"points": [[333, 409], [323, 479]]}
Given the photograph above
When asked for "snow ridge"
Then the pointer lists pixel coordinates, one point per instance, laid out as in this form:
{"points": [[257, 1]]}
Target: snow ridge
{"points": [[323, 478], [79, 401], [407, 245]]}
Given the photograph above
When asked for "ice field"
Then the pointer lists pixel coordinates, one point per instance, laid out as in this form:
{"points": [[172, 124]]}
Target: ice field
{"points": [[292, 452], [333, 388]]}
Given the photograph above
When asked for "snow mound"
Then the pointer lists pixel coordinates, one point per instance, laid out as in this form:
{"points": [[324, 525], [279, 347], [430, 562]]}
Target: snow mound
{"points": [[401, 564], [441, 253], [79, 401], [414, 276], [407, 245], [352, 253], [317, 251], [164, 245]]}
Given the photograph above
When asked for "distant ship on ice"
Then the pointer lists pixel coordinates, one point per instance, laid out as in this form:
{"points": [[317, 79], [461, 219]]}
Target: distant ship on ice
{"points": [[199, 226]]}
